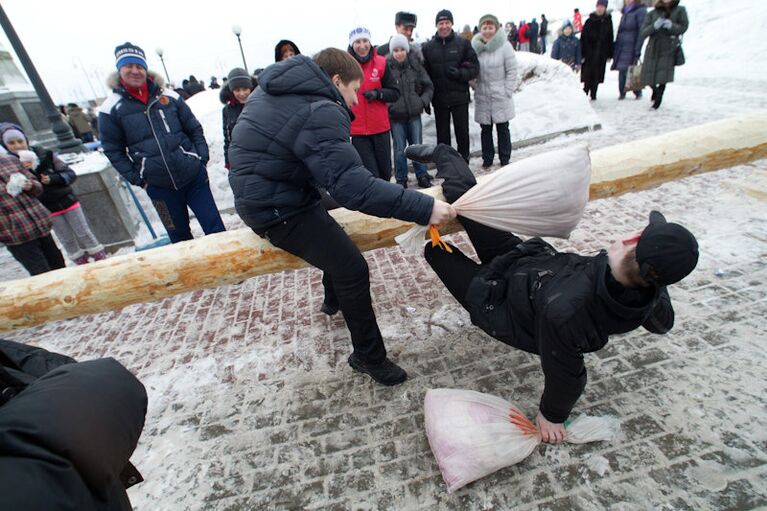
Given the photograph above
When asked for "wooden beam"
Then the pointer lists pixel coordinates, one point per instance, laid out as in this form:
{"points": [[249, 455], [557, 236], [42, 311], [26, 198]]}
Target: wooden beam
{"points": [[232, 256]]}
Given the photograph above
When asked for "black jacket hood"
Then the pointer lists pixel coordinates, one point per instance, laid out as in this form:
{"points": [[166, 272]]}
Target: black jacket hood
{"points": [[299, 75], [278, 47]]}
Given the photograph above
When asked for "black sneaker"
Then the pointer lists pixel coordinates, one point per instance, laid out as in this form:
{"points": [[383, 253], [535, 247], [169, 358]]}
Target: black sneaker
{"points": [[328, 308], [486, 165], [403, 184], [424, 181], [385, 373]]}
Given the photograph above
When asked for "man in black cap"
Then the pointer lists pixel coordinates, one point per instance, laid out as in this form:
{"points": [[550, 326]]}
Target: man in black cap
{"points": [[558, 305], [404, 23], [451, 63]]}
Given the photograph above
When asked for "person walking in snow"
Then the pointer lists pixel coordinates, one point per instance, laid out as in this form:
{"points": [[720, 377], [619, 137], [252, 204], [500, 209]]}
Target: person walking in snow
{"points": [[155, 142], [415, 93], [25, 224], [558, 305], [567, 47], [370, 127], [451, 63], [577, 21], [293, 136], [69, 222], [628, 43], [664, 25], [493, 103], [233, 95], [285, 49], [596, 48]]}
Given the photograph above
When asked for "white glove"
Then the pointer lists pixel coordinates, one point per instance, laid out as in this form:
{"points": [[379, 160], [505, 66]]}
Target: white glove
{"points": [[658, 24], [667, 24]]}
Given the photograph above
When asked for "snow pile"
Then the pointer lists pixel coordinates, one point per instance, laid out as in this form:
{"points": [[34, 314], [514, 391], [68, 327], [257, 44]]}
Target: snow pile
{"points": [[86, 163]]}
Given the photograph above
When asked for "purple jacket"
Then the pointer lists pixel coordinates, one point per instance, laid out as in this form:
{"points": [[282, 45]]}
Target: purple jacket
{"points": [[628, 43]]}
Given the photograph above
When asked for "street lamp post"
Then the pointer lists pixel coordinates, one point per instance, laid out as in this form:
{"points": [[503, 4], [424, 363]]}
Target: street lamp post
{"points": [[237, 31], [67, 141], [160, 53]]}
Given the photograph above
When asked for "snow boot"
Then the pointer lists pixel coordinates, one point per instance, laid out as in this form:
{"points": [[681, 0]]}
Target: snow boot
{"points": [[83, 259], [385, 373], [99, 256]]}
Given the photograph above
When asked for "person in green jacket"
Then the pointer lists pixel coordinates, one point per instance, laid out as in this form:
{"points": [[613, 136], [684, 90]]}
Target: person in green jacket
{"points": [[664, 25]]}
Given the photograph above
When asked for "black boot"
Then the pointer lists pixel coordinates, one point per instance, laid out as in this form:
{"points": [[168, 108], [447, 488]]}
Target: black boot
{"points": [[329, 308], [424, 180], [403, 184], [423, 153], [385, 373]]}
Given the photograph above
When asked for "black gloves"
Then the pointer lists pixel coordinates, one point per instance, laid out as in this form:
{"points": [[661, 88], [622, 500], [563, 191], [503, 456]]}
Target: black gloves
{"points": [[372, 95], [453, 73]]}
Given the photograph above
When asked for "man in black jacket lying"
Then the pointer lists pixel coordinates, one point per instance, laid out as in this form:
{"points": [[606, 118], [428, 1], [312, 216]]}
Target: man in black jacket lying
{"points": [[67, 430], [558, 305]]}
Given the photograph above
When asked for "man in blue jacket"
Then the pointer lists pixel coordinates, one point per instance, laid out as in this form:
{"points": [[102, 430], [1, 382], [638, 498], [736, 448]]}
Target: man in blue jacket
{"points": [[154, 141], [293, 136]]}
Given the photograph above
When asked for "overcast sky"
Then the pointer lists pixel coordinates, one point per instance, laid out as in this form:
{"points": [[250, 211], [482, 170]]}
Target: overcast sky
{"points": [[72, 42]]}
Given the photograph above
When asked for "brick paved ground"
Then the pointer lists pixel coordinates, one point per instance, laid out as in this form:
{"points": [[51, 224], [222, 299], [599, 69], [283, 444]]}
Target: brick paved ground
{"points": [[252, 404]]}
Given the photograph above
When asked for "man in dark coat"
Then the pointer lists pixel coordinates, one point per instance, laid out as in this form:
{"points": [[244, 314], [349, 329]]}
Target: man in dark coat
{"points": [[596, 48], [404, 24], [155, 142], [292, 137], [554, 304], [532, 33], [451, 63], [67, 430], [544, 33]]}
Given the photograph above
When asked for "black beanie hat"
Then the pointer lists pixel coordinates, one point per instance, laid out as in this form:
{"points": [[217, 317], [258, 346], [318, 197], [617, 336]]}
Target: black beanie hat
{"points": [[444, 14], [238, 77]]}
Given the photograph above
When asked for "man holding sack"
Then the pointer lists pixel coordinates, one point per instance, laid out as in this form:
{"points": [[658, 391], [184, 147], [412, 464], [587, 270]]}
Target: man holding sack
{"points": [[554, 304]]}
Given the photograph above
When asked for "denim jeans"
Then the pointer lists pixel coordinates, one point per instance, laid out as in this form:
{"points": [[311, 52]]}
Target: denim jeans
{"points": [[404, 134]]}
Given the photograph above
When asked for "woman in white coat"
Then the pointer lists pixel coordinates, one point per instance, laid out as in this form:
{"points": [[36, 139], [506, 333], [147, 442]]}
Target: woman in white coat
{"points": [[492, 95]]}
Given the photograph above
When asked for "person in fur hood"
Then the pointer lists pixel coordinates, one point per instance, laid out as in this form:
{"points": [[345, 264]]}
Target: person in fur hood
{"points": [[493, 104], [239, 85], [155, 142]]}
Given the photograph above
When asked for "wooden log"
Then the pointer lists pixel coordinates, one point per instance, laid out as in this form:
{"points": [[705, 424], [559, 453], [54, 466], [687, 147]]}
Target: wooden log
{"points": [[233, 256]]}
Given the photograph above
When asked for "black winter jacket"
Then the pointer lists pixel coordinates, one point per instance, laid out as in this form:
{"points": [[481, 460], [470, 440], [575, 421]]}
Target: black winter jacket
{"points": [[66, 431], [442, 54], [293, 136], [558, 305], [165, 143], [596, 47], [230, 113], [414, 86], [57, 195]]}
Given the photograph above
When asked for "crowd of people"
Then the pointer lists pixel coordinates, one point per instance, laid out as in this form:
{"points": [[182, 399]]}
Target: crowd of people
{"points": [[311, 133]]}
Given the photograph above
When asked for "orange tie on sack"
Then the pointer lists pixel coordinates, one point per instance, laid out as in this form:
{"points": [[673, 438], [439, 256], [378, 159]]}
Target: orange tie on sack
{"points": [[523, 423], [437, 240]]}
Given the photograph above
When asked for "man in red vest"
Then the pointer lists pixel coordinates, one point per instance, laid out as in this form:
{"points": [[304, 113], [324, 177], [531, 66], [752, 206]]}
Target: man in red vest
{"points": [[370, 127]]}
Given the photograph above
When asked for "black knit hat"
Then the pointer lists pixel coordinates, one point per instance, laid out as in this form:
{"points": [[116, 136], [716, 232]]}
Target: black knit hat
{"points": [[238, 77], [444, 14], [666, 252]]}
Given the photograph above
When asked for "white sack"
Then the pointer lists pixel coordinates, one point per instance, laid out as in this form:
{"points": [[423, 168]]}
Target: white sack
{"points": [[471, 434], [543, 195]]}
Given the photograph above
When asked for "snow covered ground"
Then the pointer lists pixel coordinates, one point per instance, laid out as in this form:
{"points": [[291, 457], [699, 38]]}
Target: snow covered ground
{"points": [[252, 405]]}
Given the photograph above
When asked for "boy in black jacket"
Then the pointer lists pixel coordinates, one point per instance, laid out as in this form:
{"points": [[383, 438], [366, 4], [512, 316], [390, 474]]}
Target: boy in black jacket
{"points": [[558, 305]]}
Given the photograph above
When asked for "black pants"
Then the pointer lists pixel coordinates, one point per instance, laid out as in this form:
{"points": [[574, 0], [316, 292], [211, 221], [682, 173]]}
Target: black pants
{"points": [[460, 114], [316, 237], [375, 151], [504, 143], [590, 88], [657, 94], [455, 269], [39, 255]]}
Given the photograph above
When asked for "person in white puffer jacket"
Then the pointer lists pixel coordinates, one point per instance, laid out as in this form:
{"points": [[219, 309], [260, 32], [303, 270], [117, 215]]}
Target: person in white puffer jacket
{"points": [[493, 103]]}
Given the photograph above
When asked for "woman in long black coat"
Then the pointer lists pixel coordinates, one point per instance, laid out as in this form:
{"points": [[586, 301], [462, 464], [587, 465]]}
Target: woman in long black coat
{"points": [[596, 48]]}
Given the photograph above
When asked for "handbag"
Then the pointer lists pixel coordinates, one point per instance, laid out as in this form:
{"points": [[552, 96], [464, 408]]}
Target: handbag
{"points": [[634, 82], [679, 59]]}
